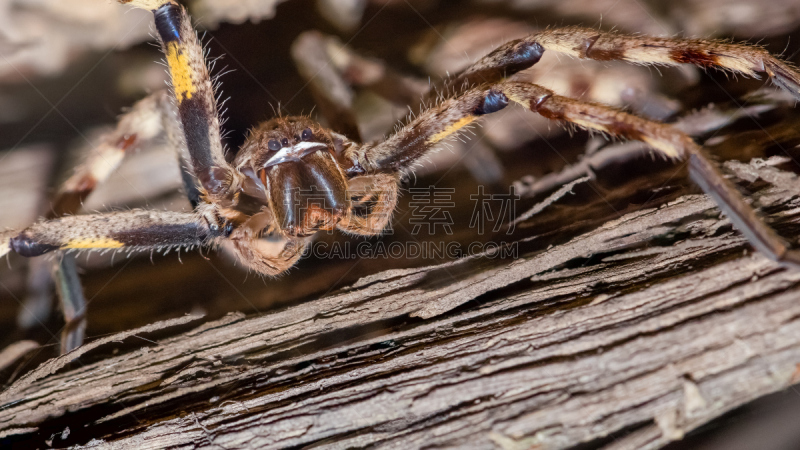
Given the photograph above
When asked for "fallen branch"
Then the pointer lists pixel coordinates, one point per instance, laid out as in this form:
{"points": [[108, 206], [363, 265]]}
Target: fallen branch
{"points": [[651, 325]]}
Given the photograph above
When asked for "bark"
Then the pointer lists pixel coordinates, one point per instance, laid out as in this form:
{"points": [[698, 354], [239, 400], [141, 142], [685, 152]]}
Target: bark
{"points": [[626, 336]]}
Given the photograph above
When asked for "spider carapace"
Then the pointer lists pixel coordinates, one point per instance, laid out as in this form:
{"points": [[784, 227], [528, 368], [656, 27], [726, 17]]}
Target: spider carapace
{"points": [[288, 156], [293, 177]]}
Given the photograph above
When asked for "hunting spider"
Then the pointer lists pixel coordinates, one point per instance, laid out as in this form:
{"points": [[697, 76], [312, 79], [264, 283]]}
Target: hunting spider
{"points": [[265, 196]]}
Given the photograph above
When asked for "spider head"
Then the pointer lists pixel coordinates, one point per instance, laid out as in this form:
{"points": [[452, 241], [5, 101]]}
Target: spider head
{"points": [[292, 159]]}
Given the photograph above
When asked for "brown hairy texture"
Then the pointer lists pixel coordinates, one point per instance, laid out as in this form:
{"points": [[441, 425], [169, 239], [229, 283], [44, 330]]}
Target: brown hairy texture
{"points": [[196, 102], [595, 116], [144, 122], [381, 190], [268, 258], [505, 61], [404, 148], [604, 46], [599, 45], [255, 151], [692, 56], [137, 229], [672, 143]]}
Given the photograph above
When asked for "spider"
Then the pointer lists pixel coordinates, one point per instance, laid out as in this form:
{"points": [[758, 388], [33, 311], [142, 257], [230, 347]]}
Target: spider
{"points": [[293, 178]]}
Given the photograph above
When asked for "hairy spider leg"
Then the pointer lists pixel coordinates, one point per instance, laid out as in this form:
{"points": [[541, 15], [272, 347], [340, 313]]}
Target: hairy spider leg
{"points": [[142, 123], [405, 147], [587, 43], [73, 302], [139, 125], [452, 115], [146, 120], [125, 230], [194, 97], [695, 124], [671, 143], [331, 69], [119, 231]]}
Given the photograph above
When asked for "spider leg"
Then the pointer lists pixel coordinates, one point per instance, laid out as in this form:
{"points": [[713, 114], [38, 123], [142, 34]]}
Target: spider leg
{"points": [[142, 123], [147, 119], [668, 141], [194, 97], [331, 68], [73, 302], [694, 124], [587, 43], [131, 230], [404, 148], [401, 150], [128, 230]]}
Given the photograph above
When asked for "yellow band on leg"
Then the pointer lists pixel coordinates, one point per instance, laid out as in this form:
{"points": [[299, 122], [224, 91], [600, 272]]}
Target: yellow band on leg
{"points": [[181, 72], [93, 243], [459, 124]]}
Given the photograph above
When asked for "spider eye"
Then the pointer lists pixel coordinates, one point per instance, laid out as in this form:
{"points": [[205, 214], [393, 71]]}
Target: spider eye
{"points": [[274, 145], [307, 134], [285, 142]]}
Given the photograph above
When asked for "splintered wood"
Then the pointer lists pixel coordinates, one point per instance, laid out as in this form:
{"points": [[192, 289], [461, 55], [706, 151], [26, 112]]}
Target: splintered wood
{"points": [[650, 325]]}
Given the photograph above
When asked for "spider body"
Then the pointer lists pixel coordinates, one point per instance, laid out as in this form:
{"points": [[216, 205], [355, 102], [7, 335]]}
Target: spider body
{"points": [[288, 156], [293, 178], [285, 180]]}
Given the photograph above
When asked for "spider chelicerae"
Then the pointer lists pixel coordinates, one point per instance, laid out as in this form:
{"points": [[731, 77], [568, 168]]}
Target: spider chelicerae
{"points": [[293, 178]]}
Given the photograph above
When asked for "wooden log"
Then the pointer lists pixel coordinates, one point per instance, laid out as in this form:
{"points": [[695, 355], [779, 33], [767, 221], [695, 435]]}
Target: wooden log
{"points": [[626, 336]]}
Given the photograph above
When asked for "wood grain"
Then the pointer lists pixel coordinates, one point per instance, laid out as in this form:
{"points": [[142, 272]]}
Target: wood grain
{"points": [[628, 336]]}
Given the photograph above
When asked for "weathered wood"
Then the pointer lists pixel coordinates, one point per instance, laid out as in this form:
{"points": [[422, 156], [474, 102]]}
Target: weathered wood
{"points": [[652, 324]]}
